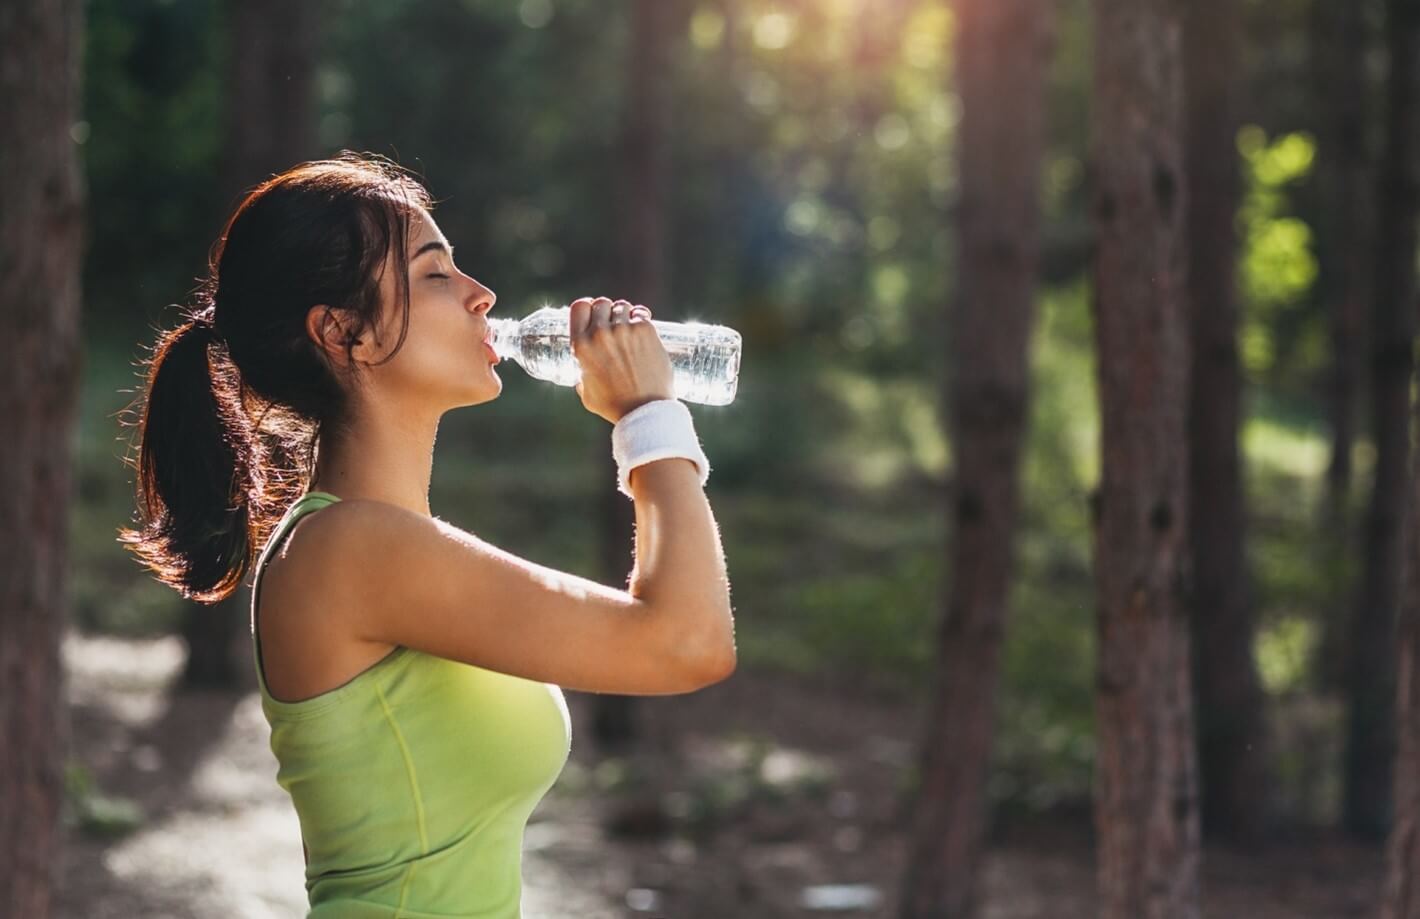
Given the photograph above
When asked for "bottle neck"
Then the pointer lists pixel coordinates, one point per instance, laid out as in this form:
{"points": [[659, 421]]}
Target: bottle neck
{"points": [[505, 339]]}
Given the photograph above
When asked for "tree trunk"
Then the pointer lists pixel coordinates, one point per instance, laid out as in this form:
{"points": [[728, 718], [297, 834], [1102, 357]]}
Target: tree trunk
{"points": [[1003, 54], [270, 126], [1401, 899], [1228, 692], [641, 278], [1146, 807], [271, 60], [1370, 723], [41, 241], [1340, 41], [1402, 887]]}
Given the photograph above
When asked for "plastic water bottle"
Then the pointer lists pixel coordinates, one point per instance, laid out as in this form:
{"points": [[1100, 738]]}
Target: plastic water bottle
{"points": [[705, 358]]}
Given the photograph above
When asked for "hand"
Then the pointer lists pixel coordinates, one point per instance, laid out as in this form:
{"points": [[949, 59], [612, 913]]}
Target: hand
{"points": [[624, 364]]}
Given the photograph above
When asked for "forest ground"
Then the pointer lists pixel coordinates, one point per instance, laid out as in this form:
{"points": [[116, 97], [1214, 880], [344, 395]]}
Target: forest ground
{"points": [[739, 801]]}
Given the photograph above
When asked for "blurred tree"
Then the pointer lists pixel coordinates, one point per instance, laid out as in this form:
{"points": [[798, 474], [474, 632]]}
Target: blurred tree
{"points": [[1146, 807], [1340, 41], [640, 224], [1229, 696], [1401, 899], [1003, 54], [270, 126], [1402, 885], [41, 238], [271, 56], [1370, 740]]}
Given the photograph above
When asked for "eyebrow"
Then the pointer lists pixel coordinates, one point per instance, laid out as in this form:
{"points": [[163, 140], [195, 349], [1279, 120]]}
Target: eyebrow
{"points": [[433, 245]]}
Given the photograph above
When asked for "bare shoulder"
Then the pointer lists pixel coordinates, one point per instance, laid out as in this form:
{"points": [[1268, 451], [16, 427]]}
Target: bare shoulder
{"points": [[359, 539], [343, 547]]}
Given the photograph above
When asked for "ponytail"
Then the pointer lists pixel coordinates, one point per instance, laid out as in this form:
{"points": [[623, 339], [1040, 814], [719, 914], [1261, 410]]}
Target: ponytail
{"points": [[195, 467]]}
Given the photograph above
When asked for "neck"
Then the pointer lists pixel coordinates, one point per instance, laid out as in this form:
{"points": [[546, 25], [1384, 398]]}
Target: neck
{"points": [[384, 456]]}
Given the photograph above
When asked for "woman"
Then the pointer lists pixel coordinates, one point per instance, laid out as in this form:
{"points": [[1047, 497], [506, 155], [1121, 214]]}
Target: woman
{"points": [[409, 670]]}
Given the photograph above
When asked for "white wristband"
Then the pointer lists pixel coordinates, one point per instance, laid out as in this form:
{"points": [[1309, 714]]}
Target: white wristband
{"points": [[660, 429]]}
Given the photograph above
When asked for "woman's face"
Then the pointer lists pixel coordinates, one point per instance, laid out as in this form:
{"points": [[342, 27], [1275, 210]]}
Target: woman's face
{"points": [[444, 361]]}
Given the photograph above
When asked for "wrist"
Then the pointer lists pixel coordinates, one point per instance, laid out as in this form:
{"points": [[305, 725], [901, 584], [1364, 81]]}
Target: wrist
{"points": [[658, 473], [633, 407], [659, 429]]}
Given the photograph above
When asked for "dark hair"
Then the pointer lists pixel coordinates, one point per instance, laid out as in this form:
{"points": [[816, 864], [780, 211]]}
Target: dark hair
{"points": [[238, 395]]}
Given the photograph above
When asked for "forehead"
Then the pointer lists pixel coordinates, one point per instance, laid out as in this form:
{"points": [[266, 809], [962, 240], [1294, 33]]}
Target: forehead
{"points": [[422, 229]]}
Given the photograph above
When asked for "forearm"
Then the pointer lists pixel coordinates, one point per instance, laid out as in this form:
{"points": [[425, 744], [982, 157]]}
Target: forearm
{"points": [[680, 564]]}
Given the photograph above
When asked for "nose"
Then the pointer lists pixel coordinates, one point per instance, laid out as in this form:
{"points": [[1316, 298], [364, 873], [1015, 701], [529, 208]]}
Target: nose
{"points": [[483, 300]]}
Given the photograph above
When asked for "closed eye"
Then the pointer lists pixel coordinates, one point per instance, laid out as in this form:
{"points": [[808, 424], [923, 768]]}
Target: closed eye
{"points": [[444, 276]]}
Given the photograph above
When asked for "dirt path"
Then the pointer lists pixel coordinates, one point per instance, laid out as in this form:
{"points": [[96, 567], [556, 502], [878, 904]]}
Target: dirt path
{"points": [[760, 797]]}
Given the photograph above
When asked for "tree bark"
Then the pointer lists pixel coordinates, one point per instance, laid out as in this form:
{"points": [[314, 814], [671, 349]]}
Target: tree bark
{"points": [[1146, 807], [1401, 899], [1228, 692], [271, 60], [1340, 41], [641, 251], [1004, 50], [1370, 718], [41, 242], [270, 126]]}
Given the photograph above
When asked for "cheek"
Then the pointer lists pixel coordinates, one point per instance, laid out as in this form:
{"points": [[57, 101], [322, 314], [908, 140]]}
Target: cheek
{"points": [[441, 349], [442, 345]]}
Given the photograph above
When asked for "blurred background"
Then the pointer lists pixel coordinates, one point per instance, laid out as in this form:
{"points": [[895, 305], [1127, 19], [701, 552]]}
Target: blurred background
{"points": [[792, 169]]}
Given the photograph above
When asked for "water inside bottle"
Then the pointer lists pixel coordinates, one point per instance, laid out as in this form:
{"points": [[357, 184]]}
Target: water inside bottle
{"points": [[705, 359]]}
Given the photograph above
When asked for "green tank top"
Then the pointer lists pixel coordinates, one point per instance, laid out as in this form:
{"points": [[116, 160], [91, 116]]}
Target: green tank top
{"points": [[414, 780]]}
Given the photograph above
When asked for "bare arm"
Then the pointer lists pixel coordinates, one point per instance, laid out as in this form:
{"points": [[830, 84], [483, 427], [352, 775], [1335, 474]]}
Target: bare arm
{"points": [[386, 574], [680, 564]]}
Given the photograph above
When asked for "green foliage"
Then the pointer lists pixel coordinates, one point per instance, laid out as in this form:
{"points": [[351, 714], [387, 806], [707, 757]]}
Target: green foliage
{"points": [[1045, 736], [151, 139], [880, 621], [94, 813], [1283, 653], [1278, 266], [1292, 570], [110, 592]]}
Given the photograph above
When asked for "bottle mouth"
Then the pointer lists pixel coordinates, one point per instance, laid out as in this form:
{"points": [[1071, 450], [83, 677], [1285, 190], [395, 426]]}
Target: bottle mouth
{"points": [[502, 337]]}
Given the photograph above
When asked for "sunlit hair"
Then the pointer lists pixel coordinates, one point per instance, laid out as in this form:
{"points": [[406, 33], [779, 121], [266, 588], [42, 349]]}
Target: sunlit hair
{"points": [[235, 398]]}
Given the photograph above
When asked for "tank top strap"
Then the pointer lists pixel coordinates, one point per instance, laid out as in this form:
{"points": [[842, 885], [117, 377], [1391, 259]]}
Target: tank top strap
{"points": [[308, 503]]}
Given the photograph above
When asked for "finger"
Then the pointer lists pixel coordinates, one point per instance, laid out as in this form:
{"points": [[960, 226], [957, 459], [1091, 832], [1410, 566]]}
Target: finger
{"points": [[601, 314], [579, 316]]}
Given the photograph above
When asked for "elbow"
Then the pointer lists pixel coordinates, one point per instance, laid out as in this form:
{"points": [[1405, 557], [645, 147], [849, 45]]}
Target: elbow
{"points": [[719, 663], [721, 667], [702, 644]]}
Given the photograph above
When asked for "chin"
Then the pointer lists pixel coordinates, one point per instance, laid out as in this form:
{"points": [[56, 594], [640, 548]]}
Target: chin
{"points": [[486, 395]]}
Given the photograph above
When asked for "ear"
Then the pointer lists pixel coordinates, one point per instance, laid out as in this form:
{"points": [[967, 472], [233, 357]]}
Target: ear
{"points": [[330, 329]]}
